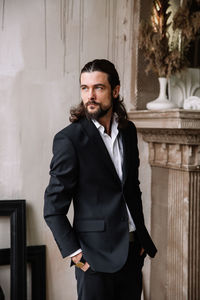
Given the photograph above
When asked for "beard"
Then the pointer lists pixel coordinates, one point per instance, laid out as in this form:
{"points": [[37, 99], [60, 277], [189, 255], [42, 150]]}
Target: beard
{"points": [[98, 113]]}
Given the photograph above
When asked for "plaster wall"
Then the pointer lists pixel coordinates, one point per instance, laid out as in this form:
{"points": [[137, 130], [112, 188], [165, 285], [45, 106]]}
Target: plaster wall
{"points": [[44, 44]]}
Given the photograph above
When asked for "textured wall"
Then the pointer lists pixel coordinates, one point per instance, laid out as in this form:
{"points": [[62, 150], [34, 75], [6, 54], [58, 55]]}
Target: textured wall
{"points": [[44, 43]]}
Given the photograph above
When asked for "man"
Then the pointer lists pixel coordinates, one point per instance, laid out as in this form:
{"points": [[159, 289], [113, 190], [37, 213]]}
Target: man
{"points": [[95, 164]]}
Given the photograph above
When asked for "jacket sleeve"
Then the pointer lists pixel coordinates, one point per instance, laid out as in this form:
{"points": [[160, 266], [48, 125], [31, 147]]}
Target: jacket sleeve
{"points": [[143, 234], [135, 170], [59, 193]]}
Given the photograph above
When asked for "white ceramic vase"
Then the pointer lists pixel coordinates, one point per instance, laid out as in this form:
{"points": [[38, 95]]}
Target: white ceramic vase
{"points": [[162, 102]]}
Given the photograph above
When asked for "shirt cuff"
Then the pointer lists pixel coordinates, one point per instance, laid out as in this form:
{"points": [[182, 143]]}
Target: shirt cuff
{"points": [[75, 253]]}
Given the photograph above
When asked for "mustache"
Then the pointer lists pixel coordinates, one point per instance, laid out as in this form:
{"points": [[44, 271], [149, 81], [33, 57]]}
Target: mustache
{"points": [[91, 102]]}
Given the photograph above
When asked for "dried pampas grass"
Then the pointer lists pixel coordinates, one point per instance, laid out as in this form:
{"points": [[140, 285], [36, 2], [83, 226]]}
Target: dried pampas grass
{"points": [[163, 57]]}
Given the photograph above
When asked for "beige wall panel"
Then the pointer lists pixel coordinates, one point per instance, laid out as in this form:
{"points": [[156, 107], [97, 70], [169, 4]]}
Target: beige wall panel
{"points": [[44, 43]]}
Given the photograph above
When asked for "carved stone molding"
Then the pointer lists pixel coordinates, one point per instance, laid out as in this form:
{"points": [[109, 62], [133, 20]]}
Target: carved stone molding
{"points": [[173, 137], [174, 156]]}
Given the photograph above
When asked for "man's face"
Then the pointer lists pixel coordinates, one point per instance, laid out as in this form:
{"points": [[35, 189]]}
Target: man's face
{"points": [[96, 93]]}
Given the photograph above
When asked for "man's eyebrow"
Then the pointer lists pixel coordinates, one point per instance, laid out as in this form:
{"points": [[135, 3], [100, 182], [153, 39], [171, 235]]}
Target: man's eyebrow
{"points": [[99, 84], [96, 84]]}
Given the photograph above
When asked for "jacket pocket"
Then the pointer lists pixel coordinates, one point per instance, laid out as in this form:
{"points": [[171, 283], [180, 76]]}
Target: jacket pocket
{"points": [[89, 225]]}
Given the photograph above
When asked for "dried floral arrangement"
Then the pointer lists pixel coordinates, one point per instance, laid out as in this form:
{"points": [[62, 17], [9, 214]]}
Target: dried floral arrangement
{"points": [[166, 55]]}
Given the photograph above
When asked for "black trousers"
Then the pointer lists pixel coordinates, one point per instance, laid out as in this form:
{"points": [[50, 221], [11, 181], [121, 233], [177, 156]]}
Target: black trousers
{"points": [[125, 284]]}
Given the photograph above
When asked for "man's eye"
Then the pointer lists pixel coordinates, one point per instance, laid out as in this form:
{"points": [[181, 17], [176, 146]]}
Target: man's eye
{"points": [[99, 88], [83, 88]]}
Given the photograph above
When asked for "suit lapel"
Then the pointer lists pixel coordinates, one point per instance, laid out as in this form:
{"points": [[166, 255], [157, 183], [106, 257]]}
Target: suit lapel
{"points": [[99, 147]]}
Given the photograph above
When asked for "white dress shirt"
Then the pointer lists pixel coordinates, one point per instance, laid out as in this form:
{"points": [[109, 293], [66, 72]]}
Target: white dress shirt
{"points": [[114, 146]]}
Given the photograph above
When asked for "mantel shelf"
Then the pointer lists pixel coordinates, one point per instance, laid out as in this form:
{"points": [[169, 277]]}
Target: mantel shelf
{"points": [[166, 119]]}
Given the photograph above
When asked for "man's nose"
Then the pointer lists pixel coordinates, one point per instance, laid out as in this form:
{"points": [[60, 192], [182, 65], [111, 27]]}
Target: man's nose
{"points": [[91, 94]]}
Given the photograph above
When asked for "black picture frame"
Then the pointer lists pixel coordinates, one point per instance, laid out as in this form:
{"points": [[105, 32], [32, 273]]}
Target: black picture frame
{"points": [[2, 297], [16, 210], [36, 256]]}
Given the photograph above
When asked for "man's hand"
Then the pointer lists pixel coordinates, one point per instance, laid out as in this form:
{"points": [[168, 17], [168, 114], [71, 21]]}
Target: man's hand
{"points": [[77, 258], [141, 251], [85, 267]]}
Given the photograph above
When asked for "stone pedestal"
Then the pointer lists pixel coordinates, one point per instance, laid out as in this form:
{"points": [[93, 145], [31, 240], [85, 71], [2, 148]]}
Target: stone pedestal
{"points": [[174, 155]]}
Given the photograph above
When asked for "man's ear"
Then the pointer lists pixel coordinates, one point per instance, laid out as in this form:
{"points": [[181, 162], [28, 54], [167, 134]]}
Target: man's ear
{"points": [[116, 91]]}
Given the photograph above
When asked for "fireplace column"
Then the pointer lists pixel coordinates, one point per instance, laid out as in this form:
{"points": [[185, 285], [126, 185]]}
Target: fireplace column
{"points": [[174, 155]]}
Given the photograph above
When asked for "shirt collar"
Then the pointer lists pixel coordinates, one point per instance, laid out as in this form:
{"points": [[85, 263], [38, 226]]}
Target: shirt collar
{"points": [[114, 127]]}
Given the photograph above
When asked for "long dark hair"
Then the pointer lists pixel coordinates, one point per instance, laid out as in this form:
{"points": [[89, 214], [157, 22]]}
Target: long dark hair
{"points": [[107, 67]]}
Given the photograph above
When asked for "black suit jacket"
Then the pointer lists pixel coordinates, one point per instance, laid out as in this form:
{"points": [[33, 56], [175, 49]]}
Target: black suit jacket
{"points": [[82, 170]]}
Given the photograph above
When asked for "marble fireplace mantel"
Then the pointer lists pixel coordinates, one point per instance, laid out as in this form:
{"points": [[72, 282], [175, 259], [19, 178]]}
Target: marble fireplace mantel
{"points": [[173, 137]]}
